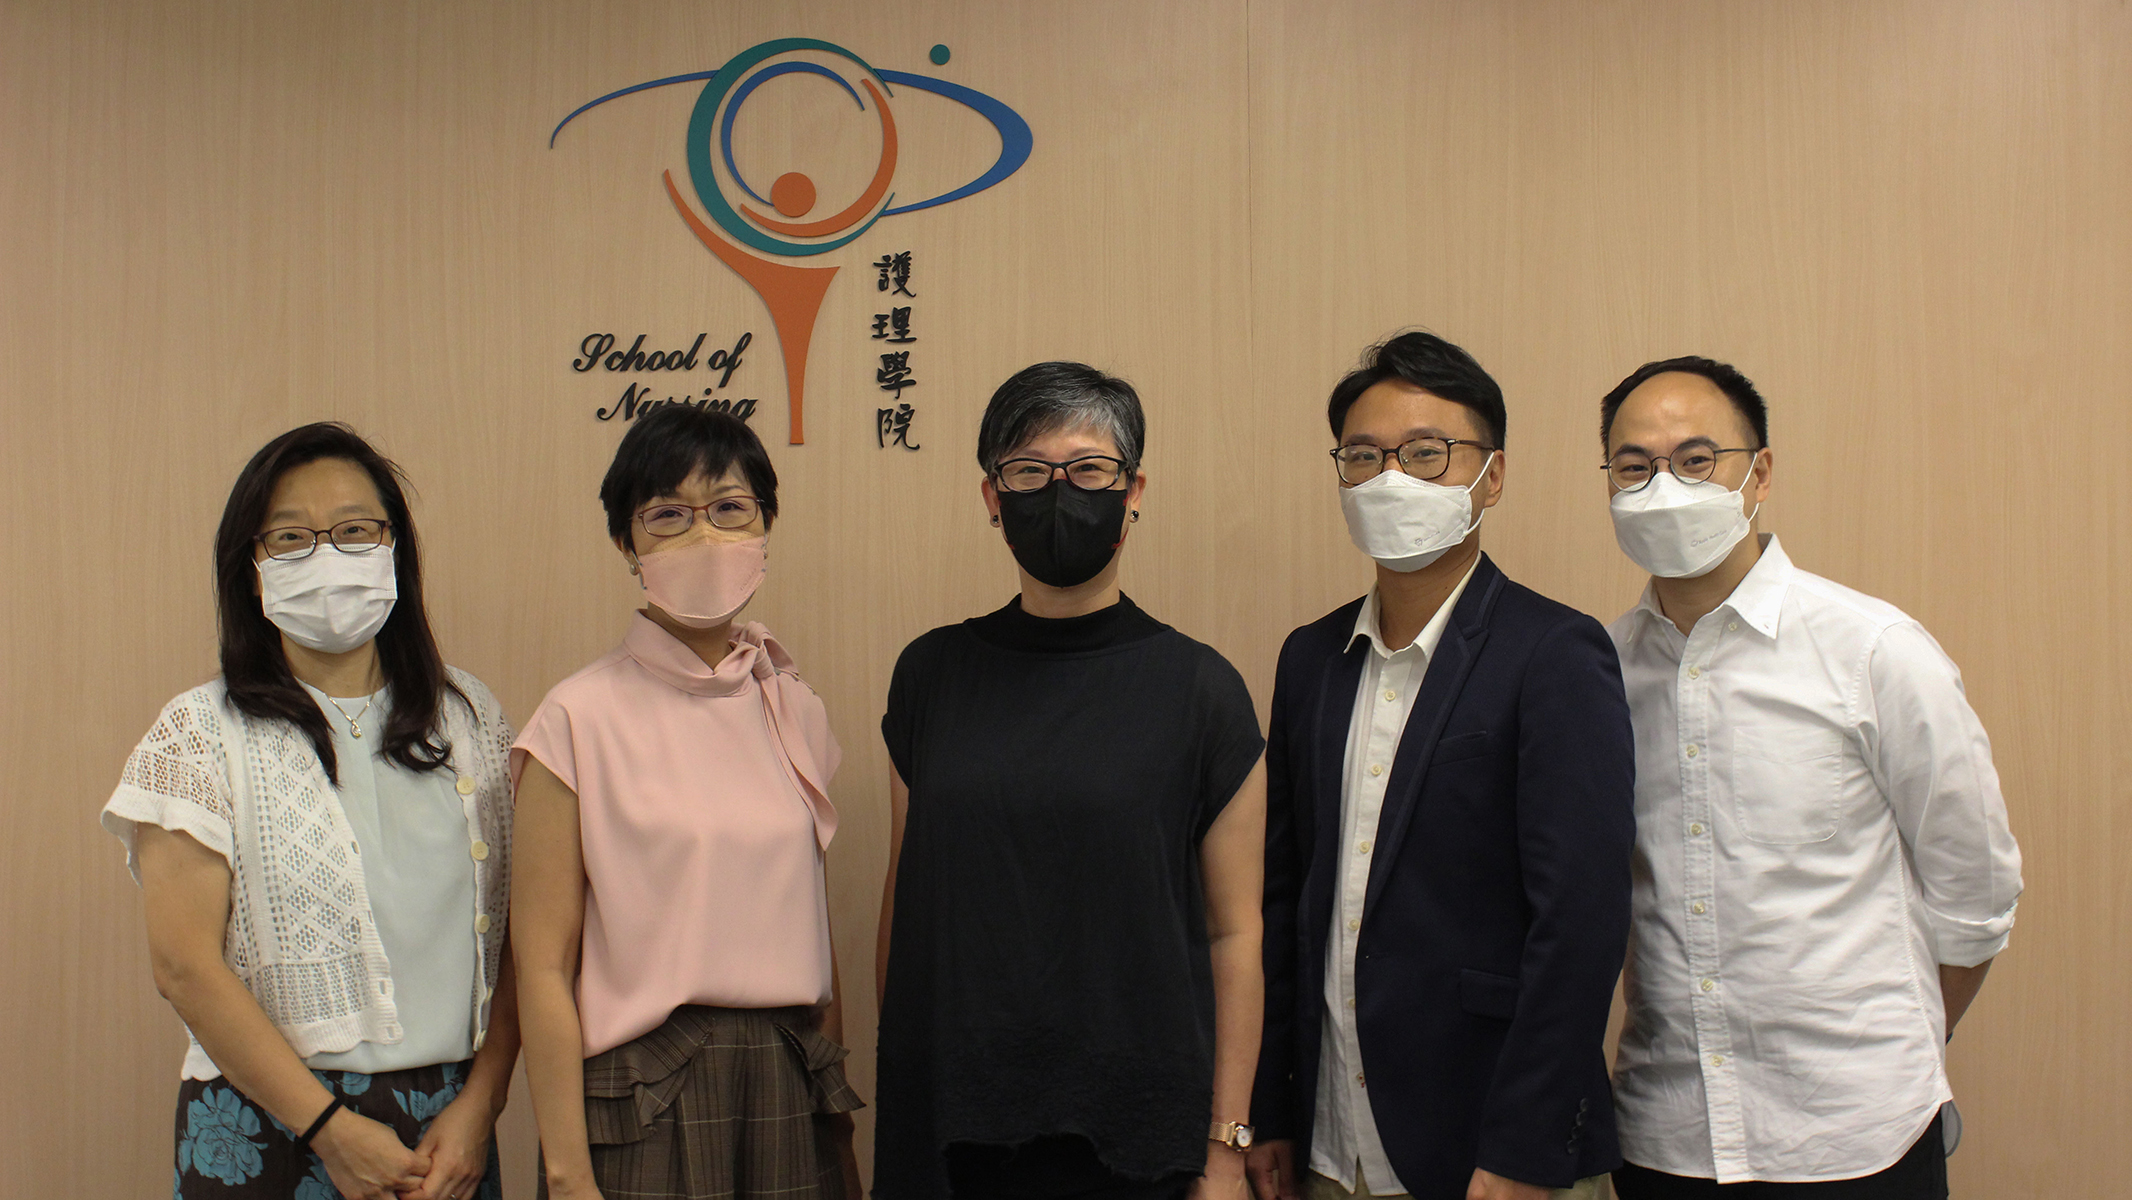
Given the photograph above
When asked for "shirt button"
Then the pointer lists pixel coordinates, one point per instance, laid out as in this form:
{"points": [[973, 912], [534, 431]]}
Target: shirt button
{"points": [[1709, 985], [1717, 1060], [1353, 924], [1693, 750], [1389, 694], [1350, 1001], [481, 923], [1696, 828], [1696, 908], [1359, 1079], [1376, 768], [1695, 672], [1364, 848], [480, 850], [1734, 626], [466, 785]]}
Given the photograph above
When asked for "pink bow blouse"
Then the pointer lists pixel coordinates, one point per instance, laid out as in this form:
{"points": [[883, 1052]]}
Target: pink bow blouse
{"points": [[703, 810]]}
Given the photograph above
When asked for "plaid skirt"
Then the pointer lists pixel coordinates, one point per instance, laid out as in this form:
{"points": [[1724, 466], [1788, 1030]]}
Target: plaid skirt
{"points": [[718, 1104], [230, 1149]]}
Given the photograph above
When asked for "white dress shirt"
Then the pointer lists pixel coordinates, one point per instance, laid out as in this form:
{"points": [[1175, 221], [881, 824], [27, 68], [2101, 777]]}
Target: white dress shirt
{"points": [[1818, 826], [1344, 1133]]}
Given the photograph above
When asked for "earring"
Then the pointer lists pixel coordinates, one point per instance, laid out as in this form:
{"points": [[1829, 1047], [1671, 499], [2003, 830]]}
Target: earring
{"points": [[1136, 514], [995, 522]]}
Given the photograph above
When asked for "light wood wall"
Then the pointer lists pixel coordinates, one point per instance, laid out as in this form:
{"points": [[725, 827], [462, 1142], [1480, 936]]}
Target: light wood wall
{"points": [[1907, 221]]}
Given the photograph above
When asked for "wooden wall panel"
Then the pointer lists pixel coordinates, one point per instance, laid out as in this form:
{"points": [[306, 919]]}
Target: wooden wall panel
{"points": [[1905, 220]]}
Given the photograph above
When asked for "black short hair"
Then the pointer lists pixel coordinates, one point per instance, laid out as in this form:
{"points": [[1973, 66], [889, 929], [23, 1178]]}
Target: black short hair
{"points": [[256, 670], [674, 441], [1737, 388], [1047, 396], [1431, 364]]}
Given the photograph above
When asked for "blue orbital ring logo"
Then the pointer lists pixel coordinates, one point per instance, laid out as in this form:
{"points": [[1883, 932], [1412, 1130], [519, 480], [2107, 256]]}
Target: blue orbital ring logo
{"points": [[728, 87]]}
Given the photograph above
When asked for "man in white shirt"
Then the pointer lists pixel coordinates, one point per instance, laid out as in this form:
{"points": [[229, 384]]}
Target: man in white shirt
{"points": [[1823, 868], [1448, 835]]}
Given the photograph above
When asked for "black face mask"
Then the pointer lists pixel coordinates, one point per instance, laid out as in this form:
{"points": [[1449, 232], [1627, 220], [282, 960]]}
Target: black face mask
{"points": [[1062, 535]]}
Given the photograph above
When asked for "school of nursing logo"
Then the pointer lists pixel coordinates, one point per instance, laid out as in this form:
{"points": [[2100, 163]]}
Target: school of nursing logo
{"points": [[738, 225]]}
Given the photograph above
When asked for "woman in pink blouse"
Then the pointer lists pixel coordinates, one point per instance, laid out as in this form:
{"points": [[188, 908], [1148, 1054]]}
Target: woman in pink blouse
{"points": [[671, 929]]}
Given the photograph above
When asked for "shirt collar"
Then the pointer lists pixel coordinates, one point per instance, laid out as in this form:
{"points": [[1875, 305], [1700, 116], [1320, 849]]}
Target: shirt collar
{"points": [[1757, 600], [1760, 597], [1431, 633]]}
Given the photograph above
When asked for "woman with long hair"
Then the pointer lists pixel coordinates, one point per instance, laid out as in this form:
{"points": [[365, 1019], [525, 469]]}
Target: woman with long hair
{"points": [[322, 838]]}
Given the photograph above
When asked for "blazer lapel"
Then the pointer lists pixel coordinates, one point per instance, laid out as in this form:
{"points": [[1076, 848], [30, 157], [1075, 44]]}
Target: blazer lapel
{"points": [[1337, 684], [1440, 688]]}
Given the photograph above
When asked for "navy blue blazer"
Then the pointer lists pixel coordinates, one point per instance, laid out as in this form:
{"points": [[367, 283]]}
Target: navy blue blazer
{"points": [[1497, 910]]}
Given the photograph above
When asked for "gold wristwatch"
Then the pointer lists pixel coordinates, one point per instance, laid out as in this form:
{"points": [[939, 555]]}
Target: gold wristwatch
{"points": [[1230, 1134]]}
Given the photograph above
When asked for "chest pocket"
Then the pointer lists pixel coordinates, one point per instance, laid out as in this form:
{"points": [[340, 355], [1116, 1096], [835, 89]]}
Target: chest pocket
{"points": [[1786, 782], [1464, 746]]}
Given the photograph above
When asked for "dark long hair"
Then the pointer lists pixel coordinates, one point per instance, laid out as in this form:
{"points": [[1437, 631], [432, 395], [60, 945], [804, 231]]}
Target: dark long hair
{"points": [[253, 666]]}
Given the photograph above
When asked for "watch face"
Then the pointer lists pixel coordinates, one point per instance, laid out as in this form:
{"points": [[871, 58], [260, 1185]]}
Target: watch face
{"points": [[1243, 1137]]}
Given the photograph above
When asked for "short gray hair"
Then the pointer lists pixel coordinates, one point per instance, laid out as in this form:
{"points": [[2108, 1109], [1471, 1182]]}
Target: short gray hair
{"points": [[1050, 396]]}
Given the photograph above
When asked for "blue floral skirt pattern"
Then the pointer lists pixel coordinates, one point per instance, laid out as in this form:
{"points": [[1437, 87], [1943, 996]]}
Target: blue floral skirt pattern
{"points": [[230, 1149]]}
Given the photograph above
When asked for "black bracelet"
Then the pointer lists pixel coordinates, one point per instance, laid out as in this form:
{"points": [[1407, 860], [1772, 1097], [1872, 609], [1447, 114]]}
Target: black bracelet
{"points": [[304, 1142]]}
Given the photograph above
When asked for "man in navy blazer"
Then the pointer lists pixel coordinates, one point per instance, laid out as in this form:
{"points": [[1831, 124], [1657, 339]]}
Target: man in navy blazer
{"points": [[1450, 780]]}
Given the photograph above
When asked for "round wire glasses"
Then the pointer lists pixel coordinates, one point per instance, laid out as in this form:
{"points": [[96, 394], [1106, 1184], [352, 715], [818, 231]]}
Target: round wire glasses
{"points": [[1631, 470]]}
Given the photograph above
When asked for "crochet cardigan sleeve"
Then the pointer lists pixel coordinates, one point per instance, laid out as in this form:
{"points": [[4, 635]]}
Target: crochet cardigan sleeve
{"points": [[175, 779]]}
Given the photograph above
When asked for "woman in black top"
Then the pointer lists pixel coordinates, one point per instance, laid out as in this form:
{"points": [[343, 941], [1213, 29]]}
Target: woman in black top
{"points": [[1072, 1006]]}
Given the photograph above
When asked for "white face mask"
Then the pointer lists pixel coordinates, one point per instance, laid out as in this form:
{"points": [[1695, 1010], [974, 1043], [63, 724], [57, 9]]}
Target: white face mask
{"points": [[1407, 523], [329, 601], [1679, 530]]}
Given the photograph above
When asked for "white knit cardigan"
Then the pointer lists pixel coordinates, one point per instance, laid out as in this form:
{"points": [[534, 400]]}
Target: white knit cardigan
{"points": [[301, 935]]}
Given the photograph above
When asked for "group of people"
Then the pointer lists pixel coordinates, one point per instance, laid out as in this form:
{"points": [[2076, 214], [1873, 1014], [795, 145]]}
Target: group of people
{"points": [[1131, 946]]}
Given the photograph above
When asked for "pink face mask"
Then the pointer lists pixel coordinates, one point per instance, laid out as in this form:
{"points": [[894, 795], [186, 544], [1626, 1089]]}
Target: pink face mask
{"points": [[703, 586]]}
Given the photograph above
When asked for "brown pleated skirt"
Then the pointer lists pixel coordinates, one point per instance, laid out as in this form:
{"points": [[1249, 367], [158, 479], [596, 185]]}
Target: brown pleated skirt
{"points": [[719, 1104]]}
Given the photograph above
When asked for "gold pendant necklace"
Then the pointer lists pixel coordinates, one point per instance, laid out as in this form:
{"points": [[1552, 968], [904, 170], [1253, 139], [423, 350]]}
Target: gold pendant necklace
{"points": [[354, 730]]}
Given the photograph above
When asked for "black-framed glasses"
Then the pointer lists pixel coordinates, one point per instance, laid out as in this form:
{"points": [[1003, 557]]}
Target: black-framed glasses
{"points": [[673, 520], [1423, 458], [1631, 470], [1090, 473], [359, 536]]}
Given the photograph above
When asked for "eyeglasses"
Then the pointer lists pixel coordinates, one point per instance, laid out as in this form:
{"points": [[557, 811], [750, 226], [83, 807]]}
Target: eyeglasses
{"points": [[1090, 473], [1423, 458], [673, 520], [1632, 470], [359, 536]]}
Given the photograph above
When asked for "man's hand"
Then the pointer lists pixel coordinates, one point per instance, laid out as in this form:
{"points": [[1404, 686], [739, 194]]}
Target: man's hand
{"points": [[1271, 1166], [1486, 1186]]}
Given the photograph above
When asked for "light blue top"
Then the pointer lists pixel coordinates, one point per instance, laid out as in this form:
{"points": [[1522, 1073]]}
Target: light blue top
{"points": [[410, 829]]}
